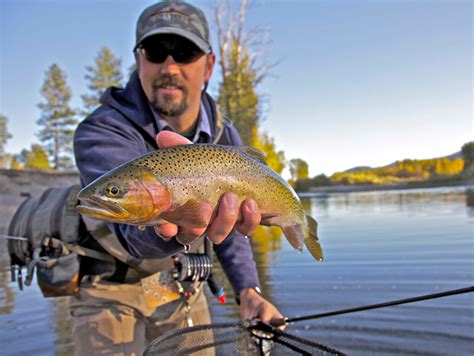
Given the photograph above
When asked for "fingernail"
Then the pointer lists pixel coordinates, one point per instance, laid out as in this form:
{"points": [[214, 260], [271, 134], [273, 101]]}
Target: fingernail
{"points": [[166, 239], [252, 206], [231, 200]]}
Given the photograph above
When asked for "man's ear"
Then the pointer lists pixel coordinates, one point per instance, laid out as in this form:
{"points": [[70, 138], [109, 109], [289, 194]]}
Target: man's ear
{"points": [[137, 60], [211, 60]]}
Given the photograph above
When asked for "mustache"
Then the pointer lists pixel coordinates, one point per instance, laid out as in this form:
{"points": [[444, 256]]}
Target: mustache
{"points": [[168, 80]]}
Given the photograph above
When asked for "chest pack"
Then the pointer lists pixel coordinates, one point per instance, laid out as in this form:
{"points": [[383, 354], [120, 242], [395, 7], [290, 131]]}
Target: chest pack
{"points": [[45, 232]]}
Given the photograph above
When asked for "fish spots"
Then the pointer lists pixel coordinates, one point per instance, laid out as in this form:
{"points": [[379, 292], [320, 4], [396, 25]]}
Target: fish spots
{"points": [[207, 171]]}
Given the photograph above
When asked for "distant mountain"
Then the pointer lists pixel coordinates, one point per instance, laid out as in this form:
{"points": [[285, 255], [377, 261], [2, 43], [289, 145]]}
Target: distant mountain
{"points": [[358, 169], [366, 168], [454, 155]]}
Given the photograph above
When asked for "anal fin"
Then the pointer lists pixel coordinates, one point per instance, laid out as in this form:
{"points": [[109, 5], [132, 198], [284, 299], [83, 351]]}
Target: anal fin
{"points": [[295, 235]]}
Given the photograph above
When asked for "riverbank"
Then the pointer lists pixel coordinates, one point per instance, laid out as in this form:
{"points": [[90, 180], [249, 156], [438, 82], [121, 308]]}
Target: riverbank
{"points": [[15, 185]]}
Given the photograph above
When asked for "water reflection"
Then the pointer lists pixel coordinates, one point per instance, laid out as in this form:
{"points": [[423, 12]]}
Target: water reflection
{"points": [[265, 240], [416, 200], [379, 246], [7, 298], [470, 197], [62, 326]]}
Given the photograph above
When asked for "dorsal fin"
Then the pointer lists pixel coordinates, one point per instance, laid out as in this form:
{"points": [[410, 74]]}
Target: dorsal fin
{"points": [[254, 153]]}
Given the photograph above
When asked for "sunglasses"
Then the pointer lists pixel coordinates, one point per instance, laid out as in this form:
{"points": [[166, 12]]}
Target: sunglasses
{"points": [[157, 51]]}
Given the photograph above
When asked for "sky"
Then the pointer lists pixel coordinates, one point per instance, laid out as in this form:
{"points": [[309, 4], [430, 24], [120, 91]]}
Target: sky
{"points": [[356, 82]]}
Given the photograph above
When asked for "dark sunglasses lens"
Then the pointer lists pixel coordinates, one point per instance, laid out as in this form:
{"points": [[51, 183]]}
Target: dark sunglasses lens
{"points": [[186, 55], [154, 55], [157, 54]]}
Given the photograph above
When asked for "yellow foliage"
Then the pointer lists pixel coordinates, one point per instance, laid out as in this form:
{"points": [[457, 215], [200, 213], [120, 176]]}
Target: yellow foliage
{"points": [[268, 239], [16, 165], [363, 177], [402, 171], [266, 144]]}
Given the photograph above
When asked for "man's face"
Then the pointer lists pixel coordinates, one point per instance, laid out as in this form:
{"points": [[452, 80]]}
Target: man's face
{"points": [[172, 72]]}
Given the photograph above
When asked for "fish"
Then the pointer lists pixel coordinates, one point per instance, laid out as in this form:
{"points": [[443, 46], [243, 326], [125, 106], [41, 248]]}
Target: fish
{"points": [[168, 185]]}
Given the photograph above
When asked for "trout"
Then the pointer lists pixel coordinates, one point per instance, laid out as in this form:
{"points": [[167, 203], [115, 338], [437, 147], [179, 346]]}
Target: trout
{"points": [[169, 183]]}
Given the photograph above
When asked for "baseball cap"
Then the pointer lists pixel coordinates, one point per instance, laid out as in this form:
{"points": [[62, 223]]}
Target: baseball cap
{"points": [[174, 17]]}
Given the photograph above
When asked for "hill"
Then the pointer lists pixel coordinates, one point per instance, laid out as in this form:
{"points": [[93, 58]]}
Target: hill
{"points": [[408, 173], [367, 168]]}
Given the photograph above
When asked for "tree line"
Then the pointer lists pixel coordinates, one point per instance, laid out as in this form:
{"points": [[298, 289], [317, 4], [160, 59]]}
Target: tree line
{"points": [[408, 170], [58, 119], [242, 67]]}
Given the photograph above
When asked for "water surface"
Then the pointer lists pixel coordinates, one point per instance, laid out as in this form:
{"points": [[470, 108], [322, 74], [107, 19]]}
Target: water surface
{"points": [[378, 246]]}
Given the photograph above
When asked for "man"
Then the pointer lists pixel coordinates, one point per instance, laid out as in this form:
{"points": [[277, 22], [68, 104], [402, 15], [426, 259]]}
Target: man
{"points": [[164, 100]]}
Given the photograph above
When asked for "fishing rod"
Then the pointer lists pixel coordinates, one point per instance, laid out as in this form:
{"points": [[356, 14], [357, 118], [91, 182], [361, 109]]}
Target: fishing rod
{"points": [[8, 237], [276, 333], [284, 321]]}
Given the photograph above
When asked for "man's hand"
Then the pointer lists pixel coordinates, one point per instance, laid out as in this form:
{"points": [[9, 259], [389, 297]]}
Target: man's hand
{"points": [[227, 211], [254, 306]]}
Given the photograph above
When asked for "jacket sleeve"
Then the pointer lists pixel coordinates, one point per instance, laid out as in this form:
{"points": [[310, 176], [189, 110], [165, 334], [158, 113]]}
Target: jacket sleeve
{"points": [[236, 258], [101, 143]]}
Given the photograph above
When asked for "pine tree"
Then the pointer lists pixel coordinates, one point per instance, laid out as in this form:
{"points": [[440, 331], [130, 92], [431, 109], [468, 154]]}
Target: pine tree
{"points": [[467, 151], [57, 119], [106, 72]]}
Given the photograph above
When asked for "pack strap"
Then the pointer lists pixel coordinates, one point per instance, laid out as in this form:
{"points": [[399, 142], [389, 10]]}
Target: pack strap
{"points": [[87, 252], [220, 128], [106, 238]]}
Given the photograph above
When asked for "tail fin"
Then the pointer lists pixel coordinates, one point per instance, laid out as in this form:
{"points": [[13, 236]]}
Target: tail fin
{"points": [[312, 241]]}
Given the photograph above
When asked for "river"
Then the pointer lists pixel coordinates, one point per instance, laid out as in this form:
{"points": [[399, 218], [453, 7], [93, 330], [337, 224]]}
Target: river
{"points": [[378, 246]]}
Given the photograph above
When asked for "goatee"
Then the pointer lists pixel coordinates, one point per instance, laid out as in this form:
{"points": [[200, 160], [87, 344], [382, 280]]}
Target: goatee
{"points": [[167, 105]]}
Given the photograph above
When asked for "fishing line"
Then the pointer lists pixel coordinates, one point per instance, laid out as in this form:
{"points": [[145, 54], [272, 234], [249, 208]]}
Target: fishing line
{"points": [[280, 322]]}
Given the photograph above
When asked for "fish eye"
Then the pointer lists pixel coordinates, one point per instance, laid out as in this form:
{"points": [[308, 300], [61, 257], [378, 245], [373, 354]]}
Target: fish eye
{"points": [[112, 190]]}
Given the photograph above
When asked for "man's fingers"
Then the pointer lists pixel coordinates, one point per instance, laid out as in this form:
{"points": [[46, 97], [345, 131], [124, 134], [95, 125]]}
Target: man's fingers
{"points": [[184, 235], [227, 214], [281, 327], [166, 139], [166, 231], [250, 217], [187, 235]]}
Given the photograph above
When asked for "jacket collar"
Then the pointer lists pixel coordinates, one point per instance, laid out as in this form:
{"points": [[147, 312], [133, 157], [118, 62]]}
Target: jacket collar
{"points": [[132, 102]]}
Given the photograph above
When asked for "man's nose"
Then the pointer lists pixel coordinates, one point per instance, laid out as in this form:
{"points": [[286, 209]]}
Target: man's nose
{"points": [[169, 65]]}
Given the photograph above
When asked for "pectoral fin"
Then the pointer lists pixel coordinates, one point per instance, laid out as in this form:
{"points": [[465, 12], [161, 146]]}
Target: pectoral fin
{"points": [[190, 215]]}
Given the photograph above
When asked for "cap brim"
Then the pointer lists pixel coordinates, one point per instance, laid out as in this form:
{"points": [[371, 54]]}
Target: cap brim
{"points": [[203, 45]]}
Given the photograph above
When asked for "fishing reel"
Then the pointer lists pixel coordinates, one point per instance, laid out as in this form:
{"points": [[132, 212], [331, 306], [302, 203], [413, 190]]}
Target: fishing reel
{"points": [[192, 267], [197, 267]]}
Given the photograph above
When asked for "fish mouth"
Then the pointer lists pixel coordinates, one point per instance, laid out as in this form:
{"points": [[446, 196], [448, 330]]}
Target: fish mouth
{"points": [[96, 207]]}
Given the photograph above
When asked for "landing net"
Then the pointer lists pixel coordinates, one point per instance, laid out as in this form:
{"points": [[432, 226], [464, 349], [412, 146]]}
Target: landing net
{"points": [[243, 338]]}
